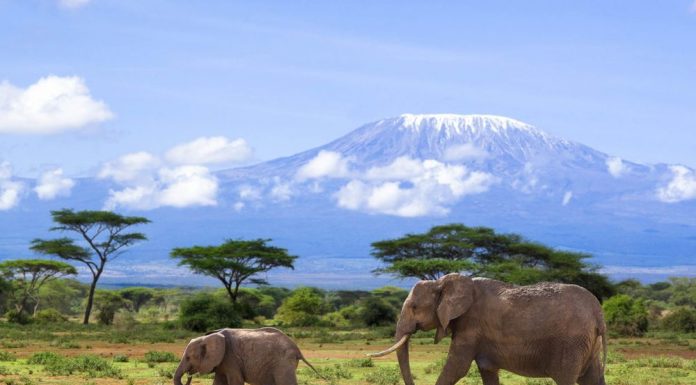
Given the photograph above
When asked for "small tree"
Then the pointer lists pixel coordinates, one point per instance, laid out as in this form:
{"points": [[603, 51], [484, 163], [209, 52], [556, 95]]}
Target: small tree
{"points": [[104, 232], [234, 262], [29, 275], [302, 308], [204, 312], [107, 304], [138, 296]]}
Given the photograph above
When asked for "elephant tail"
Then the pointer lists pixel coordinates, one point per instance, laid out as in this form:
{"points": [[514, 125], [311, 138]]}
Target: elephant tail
{"points": [[312, 367]]}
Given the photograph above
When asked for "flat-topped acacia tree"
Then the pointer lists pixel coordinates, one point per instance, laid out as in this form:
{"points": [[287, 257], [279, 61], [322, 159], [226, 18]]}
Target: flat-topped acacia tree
{"points": [[104, 233], [30, 274], [234, 262]]}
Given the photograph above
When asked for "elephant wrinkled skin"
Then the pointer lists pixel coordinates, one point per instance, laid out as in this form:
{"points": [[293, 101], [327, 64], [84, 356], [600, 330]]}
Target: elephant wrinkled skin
{"points": [[544, 330], [263, 356]]}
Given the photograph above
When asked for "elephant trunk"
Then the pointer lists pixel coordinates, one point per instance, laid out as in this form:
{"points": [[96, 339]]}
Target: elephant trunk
{"points": [[404, 364], [180, 373]]}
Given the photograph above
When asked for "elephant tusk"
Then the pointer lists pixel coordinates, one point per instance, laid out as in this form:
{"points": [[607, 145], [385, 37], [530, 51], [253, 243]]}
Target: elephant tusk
{"points": [[397, 345]]}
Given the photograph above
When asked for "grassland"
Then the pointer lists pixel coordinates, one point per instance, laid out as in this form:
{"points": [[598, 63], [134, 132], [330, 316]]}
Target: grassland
{"points": [[147, 354]]}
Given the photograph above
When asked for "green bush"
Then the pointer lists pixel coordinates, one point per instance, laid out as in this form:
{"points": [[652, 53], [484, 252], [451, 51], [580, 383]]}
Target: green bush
{"points": [[120, 358], [681, 320], [205, 312], [302, 308], [7, 356], [384, 376], [91, 365], [155, 356], [377, 312], [18, 317], [625, 316], [50, 316]]}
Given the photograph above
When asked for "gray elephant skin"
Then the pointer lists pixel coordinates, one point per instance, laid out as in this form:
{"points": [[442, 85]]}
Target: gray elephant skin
{"points": [[264, 356], [544, 330]]}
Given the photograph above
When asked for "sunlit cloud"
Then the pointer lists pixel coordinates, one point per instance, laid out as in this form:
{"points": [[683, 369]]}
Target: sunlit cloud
{"points": [[51, 105]]}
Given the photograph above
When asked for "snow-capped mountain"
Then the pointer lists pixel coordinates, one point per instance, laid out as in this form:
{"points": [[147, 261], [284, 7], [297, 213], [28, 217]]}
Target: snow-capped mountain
{"points": [[405, 174]]}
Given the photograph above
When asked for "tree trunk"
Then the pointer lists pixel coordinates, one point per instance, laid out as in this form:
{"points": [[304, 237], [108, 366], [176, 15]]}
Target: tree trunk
{"points": [[90, 298]]}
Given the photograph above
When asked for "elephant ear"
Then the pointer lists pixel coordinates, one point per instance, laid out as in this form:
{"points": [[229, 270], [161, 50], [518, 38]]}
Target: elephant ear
{"points": [[456, 296], [212, 350]]}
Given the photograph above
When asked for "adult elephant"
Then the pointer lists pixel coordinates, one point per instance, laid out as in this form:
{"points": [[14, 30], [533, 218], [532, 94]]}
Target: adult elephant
{"points": [[544, 330]]}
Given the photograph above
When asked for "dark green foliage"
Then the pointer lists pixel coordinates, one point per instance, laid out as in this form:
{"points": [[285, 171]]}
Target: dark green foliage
{"points": [[50, 316], [252, 303], [107, 303], [234, 262], [137, 296], [681, 320], [18, 317], [155, 356], [204, 312], [64, 295], [7, 356], [104, 236], [377, 312], [120, 358], [483, 252], [625, 316]]}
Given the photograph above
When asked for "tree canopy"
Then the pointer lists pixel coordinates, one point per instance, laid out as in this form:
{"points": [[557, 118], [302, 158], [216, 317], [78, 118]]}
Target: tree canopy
{"points": [[234, 262], [104, 234], [483, 252], [28, 275]]}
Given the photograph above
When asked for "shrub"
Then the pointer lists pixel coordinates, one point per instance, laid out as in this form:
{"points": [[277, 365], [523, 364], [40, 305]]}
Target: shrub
{"points": [[50, 316], [18, 317], [377, 312], [120, 358], [155, 356], [384, 376], [681, 320], [7, 356], [625, 315], [302, 308], [205, 312]]}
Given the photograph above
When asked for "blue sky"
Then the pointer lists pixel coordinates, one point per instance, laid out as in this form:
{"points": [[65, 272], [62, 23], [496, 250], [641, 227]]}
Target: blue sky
{"points": [[619, 76]]}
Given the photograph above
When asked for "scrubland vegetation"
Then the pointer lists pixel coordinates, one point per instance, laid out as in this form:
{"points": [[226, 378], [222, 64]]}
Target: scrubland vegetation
{"points": [[136, 334]]}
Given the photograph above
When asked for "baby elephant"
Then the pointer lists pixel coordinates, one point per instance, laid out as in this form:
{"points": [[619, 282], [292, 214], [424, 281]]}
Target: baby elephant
{"points": [[263, 356]]}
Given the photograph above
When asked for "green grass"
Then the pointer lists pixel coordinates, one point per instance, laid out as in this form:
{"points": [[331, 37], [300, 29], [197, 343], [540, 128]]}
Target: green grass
{"points": [[134, 359]]}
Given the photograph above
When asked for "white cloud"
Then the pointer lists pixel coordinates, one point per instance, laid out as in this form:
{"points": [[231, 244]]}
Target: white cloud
{"points": [[53, 184], [281, 191], [148, 185], [412, 188], [466, 151], [210, 150], [326, 164], [567, 197], [239, 206], [616, 166], [250, 193], [182, 186], [681, 187], [130, 167], [53, 104], [10, 190]]}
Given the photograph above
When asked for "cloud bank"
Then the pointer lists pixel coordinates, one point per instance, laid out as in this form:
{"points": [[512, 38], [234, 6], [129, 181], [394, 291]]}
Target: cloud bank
{"points": [[51, 105], [616, 167]]}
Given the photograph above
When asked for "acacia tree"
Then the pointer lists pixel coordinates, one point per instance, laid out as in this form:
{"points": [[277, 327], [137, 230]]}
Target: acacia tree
{"points": [[104, 233], [456, 248], [234, 262], [30, 274]]}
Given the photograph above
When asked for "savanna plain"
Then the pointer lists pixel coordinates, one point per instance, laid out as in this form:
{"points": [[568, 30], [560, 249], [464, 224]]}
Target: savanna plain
{"points": [[66, 353]]}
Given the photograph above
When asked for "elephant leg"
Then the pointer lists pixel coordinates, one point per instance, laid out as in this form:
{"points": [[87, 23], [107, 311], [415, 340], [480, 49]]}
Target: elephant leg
{"points": [[229, 379], [457, 365], [489, 377], [285, 376], [594, 375]]}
